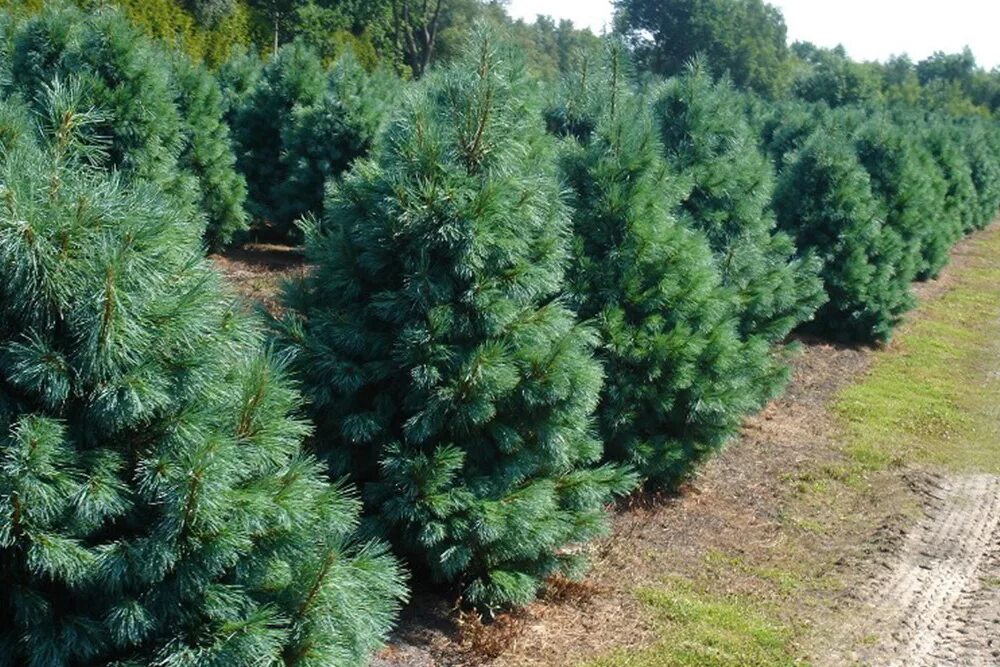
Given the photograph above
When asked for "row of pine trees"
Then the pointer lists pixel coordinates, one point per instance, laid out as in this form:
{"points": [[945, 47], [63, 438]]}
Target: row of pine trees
{"points": [[522, 305]]}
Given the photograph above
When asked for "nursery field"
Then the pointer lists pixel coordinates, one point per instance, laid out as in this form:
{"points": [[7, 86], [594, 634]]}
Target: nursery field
{"points": [[855, 520], [401, 331]]}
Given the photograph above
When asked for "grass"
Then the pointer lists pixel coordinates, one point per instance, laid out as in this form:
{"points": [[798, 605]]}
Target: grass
{"points": [[931, 399], [702, 630]]}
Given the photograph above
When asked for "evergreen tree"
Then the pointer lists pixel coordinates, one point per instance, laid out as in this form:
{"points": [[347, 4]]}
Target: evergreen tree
{"points": [[322, 140], [786, 125], [122, 74], [960, 200], [8, 28], [207, 152], [155, 505], [238, 78], [824, 198], [292, 78], [162, 115], [944, 225], [299, 125], [444, 371], [710, 144], [903, 192], [679, 377], [985, 171], [576, 107]]}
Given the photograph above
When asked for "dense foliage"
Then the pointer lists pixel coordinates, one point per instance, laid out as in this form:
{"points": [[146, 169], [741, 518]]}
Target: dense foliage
{"points": [[445, 373], [881, 194], [207, 153], [500, 328], [712, 149], [260, 112], [155, 504], [161, 123], [902, 190], [122, 75], [297, 125], [825, 199], [679, 376]]}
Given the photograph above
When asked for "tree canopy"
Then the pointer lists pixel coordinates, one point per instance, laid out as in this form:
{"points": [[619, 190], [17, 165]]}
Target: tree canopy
{"points": [[744, 38]]}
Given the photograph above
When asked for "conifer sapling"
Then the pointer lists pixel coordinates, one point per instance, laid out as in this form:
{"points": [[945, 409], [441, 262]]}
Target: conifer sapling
{"points": [[155, 504], [445, 373]]}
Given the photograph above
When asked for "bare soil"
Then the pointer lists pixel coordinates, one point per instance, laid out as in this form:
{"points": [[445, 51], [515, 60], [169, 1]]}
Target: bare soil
{"points": [[257, 271], [938, 603]]}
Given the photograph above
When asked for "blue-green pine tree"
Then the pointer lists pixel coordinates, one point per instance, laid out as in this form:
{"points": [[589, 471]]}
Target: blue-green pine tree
{"points": [[949, 153], [322, 140], [297, 125], [944, 222], [238, 77], [982, 154], [824, 198], [162, 114], [679, 376], [786, 125], [710, 145], [445, 372], [293, 78], [207, 152], [904, 194], [155, 504], [122, 75]]}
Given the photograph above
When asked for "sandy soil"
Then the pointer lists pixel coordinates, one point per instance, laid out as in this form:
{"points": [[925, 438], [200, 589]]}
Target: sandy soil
{"points": [[938, 603]]}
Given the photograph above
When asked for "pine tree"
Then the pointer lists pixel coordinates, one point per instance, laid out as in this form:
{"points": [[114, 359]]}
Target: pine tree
{"points": [[960, 200], [162, 115], [824, 198], [322, 140], [8, 28], [983, 160], [444, 371], [944, 224], [207, 152], [784, 127], [575, 109], [297, 125], [293, 78], [238, 77], [679, 377], [123, 75], [155, 504], [710, 144], [903, 192]]}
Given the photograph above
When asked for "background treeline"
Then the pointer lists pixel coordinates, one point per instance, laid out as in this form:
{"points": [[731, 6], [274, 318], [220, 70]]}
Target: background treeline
{"points": [[745, 38], [546, 268]]}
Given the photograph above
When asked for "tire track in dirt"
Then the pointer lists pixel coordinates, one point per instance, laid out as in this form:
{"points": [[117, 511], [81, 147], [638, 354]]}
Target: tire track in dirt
{"points": [[939, 604]]}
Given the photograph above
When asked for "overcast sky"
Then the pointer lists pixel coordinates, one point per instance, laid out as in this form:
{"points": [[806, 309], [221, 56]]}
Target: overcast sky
{"points": [[869, 29]]}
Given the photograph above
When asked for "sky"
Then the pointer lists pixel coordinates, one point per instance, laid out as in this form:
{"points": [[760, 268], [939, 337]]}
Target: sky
{"points": [[868, 29]]}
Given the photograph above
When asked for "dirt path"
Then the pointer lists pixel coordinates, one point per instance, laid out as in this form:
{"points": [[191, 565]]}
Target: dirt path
{"points": [[939, 603]]}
